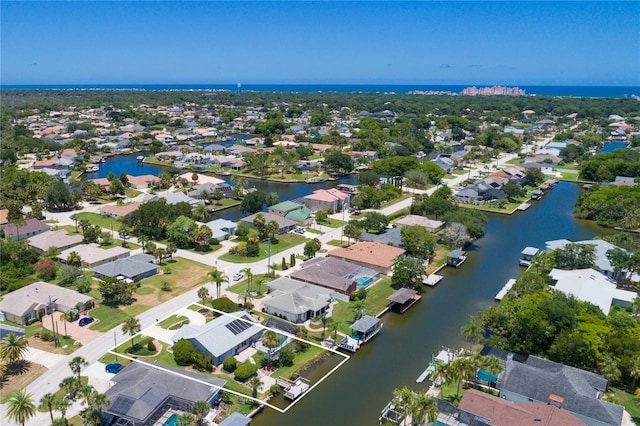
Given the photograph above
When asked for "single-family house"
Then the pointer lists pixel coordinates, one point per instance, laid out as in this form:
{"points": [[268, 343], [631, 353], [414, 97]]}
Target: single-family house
{"points": [[296, 301], [92, 255], [6, 329], [299, 213], [391, 236], [500, 412], [59, 239], [135, 268], [323, 199], [284, 224], [376, 256], [116, 211], [38, 299], [201, 179], [601, 247], [210, 188], [429, 224], [23, 231], [445, 163], [172, 198], [143, 394], [591, 286], [224, 337], [335, 274], [143, 181], [577, 391], [221, 228]]}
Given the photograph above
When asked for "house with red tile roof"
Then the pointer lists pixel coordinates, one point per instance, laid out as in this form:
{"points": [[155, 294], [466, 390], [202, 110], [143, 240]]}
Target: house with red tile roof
{"points": [[323, 199]]}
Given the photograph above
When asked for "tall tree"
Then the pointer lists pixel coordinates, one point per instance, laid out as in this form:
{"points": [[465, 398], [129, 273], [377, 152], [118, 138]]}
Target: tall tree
{"points": [[218, 277], [47, 402], [270, 340], [13, 348], [203, 294], [131, 327], [20, 407], [472, 330], [200, 408], [76, 365]]}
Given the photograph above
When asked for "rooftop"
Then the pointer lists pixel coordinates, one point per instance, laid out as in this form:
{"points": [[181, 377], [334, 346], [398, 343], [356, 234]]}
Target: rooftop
{"points": [[369, 252]]}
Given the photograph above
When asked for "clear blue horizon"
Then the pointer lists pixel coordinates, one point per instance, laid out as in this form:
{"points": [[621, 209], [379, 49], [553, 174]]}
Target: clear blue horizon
{"points": [[363, 43]]}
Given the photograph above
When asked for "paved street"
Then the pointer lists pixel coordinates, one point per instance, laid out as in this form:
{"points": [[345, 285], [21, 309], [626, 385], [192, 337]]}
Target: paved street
{"points": [[96, 348]]}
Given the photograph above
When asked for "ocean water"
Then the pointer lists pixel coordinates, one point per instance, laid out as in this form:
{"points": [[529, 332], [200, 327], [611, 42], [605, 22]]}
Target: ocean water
{"points": [[576, 91]]}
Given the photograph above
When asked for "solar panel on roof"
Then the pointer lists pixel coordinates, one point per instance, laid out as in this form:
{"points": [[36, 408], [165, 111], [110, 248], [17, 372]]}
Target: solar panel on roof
{"points": [[121, 405], [237, 326]]}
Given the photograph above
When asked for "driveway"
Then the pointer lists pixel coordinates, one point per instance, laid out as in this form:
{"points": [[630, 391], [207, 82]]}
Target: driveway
{"points": [[81, 334], [43, 357]]}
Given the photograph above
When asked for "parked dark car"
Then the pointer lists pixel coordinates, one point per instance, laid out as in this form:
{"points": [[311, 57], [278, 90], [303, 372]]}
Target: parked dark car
{"points": [[85, 321], [113, 368]]}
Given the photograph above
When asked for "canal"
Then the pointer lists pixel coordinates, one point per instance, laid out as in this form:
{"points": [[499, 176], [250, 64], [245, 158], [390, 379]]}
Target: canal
{"points": [[355, 393], [129, 165]]}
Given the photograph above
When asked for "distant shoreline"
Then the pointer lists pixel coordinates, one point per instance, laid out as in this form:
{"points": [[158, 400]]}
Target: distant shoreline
{"points": [[531, 90]]}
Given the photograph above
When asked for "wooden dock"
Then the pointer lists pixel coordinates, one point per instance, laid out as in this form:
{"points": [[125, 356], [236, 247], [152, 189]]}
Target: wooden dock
{"points": [[505, 289]]}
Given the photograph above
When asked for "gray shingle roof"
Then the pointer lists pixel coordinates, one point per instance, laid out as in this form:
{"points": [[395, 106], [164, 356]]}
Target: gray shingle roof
{"points": [[236, 419], [216, 337], [128, 267], [141, 389], [365, 324], [539, 378], [296, 297], [329, 272]]}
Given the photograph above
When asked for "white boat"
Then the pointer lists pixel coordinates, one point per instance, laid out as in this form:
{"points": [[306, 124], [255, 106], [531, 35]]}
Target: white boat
{"points": [[140, 158], [92, 169]]}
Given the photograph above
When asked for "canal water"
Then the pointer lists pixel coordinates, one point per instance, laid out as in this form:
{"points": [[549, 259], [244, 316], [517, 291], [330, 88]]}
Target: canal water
{"points": [[612, 146], [356, 393], [129, 165]]}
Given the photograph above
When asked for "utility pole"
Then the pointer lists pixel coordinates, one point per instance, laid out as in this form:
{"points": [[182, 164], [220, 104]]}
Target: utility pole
{"points": [[115, 344], [342, 229], [268, 240]]}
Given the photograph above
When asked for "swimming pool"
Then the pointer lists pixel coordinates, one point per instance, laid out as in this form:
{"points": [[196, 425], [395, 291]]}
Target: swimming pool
{"points": [[363, 281], [172, 421]]}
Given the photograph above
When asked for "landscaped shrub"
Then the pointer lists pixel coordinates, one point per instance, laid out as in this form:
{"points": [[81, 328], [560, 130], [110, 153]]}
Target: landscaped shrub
{"points": [[151, 346], [184, 352], [245, 371], [230, 365], [224, 304], [261, 359], [286, 357], [46, 336]]}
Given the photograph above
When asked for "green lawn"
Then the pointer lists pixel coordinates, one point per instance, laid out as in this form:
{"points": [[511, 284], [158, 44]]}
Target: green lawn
{"points": [[186, 274], [173, 321], [375, 303], [285, 242], [628, 401], [300, 360], [313, 231], [243, 285], [131, 193], [225, 203], [337, 243], [100, 220], [331, 223]]}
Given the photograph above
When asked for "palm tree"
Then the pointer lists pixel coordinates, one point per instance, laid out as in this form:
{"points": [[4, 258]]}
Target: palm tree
{"points": [[47, 402], [249, 275], [67, 317], [609, 368], [218, 277], [74, 259], [271, 228], [323, 319], [359, 308], [75, 218], [492, 364], [70, 385], [143, 240], [271, 340], [437, 375], [20, 407], [402, 400], [76, 365], [256, 385], [245, 296], [334, 326], [200, 408], [186, 419], [96, 401], [351, 231], [203, 294], [13, 348], [424, 409], [131, 327], [472, 330], [171, 248], [62, 405]]}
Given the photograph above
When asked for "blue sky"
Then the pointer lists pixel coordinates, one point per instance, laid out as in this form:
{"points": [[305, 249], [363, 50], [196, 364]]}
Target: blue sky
{"points": [[525, 43]]}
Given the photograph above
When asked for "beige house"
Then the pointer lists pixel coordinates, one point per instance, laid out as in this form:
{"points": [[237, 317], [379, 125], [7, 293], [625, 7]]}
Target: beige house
{"points": [[32, 302], [59, 239], [92, 255], [429, 224]]}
